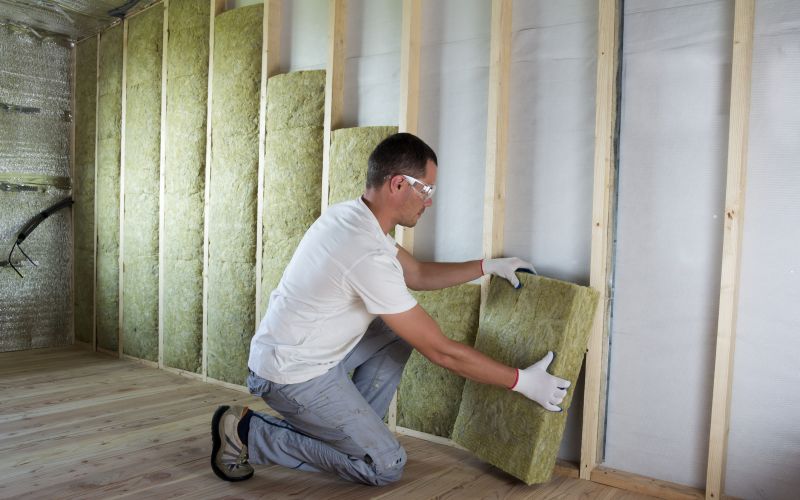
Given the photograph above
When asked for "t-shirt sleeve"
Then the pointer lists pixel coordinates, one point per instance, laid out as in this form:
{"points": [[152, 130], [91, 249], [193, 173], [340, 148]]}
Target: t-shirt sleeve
{"points": [[378, 280]]}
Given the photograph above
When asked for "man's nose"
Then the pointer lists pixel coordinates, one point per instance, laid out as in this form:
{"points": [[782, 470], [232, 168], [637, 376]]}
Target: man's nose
{"points": [[428, 202]]}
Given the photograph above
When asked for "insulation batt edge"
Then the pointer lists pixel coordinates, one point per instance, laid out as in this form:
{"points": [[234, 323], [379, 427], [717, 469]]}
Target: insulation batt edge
{"points": [[293, 168], [350, 150], [107, 187], [142, 179], [184, 183], [429, 396], [517, 328], [83, 186], [233, 191]]}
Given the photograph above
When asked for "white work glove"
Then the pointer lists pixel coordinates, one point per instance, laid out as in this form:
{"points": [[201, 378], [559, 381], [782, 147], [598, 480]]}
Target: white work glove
{"points": [[535, 383], [506, 267]]}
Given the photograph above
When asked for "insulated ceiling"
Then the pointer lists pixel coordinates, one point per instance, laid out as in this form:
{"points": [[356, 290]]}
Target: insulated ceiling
{"points": [[75, 19]]}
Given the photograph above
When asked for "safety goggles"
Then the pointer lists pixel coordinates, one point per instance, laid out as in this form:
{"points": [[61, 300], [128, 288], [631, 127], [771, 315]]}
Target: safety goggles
{"points": [[425, 190]]}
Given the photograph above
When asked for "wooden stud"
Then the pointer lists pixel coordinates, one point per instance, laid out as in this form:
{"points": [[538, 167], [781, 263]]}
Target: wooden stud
{"points": [[496, 134], [120, 332], [403, 431], [72, 108], [603, 198], [270, 65], [334, 86], [644, 485], [409, 88], [162, 185], [731, 245], [94, 201], [410, 42], [217, 7]]}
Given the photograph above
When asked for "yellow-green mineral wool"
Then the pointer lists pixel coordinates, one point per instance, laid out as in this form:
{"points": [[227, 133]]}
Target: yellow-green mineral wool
{"points": [[518, 327]]}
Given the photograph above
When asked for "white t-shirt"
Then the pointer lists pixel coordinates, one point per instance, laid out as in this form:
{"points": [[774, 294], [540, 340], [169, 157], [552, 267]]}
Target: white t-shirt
{"points": [[343, 274]]}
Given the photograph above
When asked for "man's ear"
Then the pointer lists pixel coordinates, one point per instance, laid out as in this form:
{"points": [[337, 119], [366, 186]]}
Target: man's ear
{"points": [[395, 183]]}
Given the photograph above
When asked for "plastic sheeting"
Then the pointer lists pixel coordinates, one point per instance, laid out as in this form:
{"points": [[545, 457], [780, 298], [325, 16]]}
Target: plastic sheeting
{"points": [[35, 311], [764, 440], [672, 160]]}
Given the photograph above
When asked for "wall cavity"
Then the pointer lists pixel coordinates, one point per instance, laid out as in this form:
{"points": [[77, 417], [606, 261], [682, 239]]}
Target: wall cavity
{"points": [[233, 191]]}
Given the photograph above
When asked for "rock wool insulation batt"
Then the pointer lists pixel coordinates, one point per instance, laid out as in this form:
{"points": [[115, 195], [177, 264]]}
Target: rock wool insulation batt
{"points": [[292, 170], [518, 327], [350, 150], [142, 179], [83, 186], [233, 191], [109, 119], [429, 396], [184, 184]]}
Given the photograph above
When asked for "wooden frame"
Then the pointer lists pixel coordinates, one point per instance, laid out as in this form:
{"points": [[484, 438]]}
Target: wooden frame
{"points": [[162, 183], [270, 65], [94, 201], [73, 56], [731, 246], [217, 7], [410, 43], [334, 87], [120, 332], [494, 199], [603, 200]]}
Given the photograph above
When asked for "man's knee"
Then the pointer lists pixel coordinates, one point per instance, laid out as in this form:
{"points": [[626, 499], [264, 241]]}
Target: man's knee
{"points": [[388, 467]]}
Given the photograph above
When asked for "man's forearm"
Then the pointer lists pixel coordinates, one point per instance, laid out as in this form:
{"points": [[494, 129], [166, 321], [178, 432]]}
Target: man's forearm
{"points": [[474, 365], [437, 275]]}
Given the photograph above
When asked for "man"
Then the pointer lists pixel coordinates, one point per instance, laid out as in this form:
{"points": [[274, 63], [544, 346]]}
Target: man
{"points": [[330, 351]]}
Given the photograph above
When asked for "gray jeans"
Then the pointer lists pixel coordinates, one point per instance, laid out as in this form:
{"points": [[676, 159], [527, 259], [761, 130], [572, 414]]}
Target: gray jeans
{"points": [[332, 422]]}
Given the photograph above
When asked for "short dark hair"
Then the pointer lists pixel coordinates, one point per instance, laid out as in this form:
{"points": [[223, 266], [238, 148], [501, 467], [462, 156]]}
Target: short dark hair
{"points": [[401, 153]]}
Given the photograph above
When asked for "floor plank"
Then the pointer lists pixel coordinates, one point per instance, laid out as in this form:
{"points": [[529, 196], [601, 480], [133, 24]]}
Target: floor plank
{"points": [[77, 424]]}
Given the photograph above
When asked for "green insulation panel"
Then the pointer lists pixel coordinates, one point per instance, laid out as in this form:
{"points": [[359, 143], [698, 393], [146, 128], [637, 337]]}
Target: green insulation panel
{"points": [[518, 327], [109, 118], [184, 184], [232, 192], [142, 181], [293, 169], [83, 186], [296, 100], [350, 150], [429, 396]]}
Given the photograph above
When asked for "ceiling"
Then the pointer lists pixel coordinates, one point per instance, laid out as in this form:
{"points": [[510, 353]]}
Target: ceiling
{"points": [[75, 19]]}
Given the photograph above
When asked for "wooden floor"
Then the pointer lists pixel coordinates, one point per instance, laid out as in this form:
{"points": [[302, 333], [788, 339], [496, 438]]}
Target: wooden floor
{"points": [[76, 424]]}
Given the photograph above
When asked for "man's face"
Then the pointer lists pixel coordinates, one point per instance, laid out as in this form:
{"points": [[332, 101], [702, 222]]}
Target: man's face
{"points": [[414, 204]]}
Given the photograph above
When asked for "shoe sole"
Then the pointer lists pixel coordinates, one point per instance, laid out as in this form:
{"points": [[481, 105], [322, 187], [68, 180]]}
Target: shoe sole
{"points": [[217, 445]]}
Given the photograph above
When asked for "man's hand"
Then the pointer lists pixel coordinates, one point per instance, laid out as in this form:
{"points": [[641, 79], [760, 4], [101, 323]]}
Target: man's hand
{"points": [[535, 383], [506, 267]]}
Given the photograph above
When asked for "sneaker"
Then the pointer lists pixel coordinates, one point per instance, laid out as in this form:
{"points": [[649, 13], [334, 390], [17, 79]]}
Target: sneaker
{"points": [[228, 453]]}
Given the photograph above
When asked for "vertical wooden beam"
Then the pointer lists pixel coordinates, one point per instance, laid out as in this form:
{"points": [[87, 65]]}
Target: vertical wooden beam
{"points": [[217, 7], [334, 86], [603, 199], [120, 333], [94, 236], [410, 42], [494, 200], [738, 129], [73, 55], [270, 65], [162, 185]]}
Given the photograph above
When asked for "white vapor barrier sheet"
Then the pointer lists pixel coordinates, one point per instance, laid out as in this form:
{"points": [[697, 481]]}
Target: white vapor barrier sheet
{"points": [[764, 440], [454, 77], [35, 311], [551, 149], [372, 67], [304, 35], [672, 163]]}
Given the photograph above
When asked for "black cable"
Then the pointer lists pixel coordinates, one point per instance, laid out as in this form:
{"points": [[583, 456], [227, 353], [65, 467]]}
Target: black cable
{"points": [[32, 224]]}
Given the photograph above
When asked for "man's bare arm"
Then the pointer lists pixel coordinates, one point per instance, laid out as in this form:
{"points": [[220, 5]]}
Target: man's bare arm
{"points": [[436, 275], [422, 332]]}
